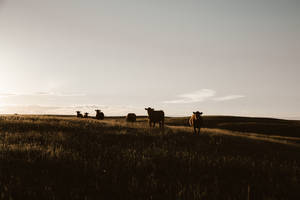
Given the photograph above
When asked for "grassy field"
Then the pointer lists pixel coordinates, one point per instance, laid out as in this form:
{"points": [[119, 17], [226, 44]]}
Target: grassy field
{"points": [[52, 157], [268, 126]]}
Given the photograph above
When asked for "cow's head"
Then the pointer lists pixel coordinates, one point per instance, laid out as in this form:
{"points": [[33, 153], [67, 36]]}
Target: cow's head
{"points": [[198, 114], [78, 112], [98, 111], [149, 109]]}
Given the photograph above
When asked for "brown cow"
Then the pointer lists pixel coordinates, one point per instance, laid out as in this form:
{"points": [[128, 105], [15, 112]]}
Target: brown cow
{"points": [[196, 121]]}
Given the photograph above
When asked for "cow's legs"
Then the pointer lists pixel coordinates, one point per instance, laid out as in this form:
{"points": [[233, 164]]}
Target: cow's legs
{"points": [[195, 131], [161, 125]]}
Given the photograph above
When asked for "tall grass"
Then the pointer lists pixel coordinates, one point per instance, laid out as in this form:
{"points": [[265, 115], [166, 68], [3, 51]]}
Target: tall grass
{"points": [[70, 158]]}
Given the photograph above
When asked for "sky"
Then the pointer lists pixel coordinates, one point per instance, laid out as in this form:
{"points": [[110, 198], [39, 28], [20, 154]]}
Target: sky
{"points": [[232, 57]]}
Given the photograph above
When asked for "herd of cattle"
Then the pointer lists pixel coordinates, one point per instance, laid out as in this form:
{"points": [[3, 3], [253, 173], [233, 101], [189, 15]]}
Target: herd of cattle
{"points": [[154, 116]]}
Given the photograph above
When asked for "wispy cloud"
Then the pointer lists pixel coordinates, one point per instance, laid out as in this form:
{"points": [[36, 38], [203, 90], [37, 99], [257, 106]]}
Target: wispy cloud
{"points": [[39, 94], [43, 94], [55, 94], [229, 97], [69, 94], [7, 94], [200, 96], [112, 110], [193, 97]]}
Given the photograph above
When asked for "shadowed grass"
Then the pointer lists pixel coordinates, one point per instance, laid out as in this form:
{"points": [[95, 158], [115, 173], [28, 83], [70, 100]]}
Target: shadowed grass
{"points": [[70, 158], [267, 126]]}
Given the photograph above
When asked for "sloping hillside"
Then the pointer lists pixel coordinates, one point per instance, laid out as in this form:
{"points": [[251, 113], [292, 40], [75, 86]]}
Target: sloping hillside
{"points": [[70, 158], [268, 126]]}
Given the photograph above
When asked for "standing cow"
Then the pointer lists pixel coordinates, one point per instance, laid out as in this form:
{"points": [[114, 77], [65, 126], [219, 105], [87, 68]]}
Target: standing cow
{"points": [[155, 116], [79, 115], [99, 114], [86, 115], [196, 121], [131, 117]]}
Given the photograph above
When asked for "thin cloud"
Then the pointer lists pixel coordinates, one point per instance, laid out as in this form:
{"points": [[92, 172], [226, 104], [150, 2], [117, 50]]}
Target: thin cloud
{"points": [[229, 97], [112, 110], [40, 94], [193, 97], [7, 94], [57, 94], [27, 109], [69, 94], [200, 96], [43, 94]]}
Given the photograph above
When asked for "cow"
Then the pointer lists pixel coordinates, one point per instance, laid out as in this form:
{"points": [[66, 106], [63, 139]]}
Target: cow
{"points": [[99, 114], [86, 115], [79, 115], [155, 116], [196, 121], [131, 117]]}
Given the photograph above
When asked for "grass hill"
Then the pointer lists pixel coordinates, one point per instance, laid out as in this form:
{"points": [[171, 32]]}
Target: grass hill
{"points": [[269, 126], [53, 157]]}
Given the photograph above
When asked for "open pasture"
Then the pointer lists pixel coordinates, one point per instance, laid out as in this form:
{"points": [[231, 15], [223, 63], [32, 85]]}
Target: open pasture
{"points": [[53, 157]]}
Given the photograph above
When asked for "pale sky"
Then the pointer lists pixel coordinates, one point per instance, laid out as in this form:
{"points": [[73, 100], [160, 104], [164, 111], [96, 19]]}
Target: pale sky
{"points": [[230, 57]]}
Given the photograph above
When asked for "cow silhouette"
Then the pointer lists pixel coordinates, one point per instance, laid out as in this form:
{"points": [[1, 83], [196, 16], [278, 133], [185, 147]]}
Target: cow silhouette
{"points": [[99, 114], [131, 117], [79, 115], [86, 115], [155, 116]]}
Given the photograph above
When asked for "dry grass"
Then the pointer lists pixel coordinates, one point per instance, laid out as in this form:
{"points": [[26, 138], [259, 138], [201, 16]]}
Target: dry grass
{"points": [[266, 126], [70, 158]]}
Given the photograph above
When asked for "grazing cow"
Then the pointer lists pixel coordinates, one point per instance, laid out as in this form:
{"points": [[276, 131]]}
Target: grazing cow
{"points": [[156, 116], [131, 117], [86, 115], [79, 115], [99, 114], [196, 121]]}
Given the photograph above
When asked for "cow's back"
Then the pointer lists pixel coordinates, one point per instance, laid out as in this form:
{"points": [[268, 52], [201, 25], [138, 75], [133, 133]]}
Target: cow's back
{"points": [[131, 117], [157, 116]]}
